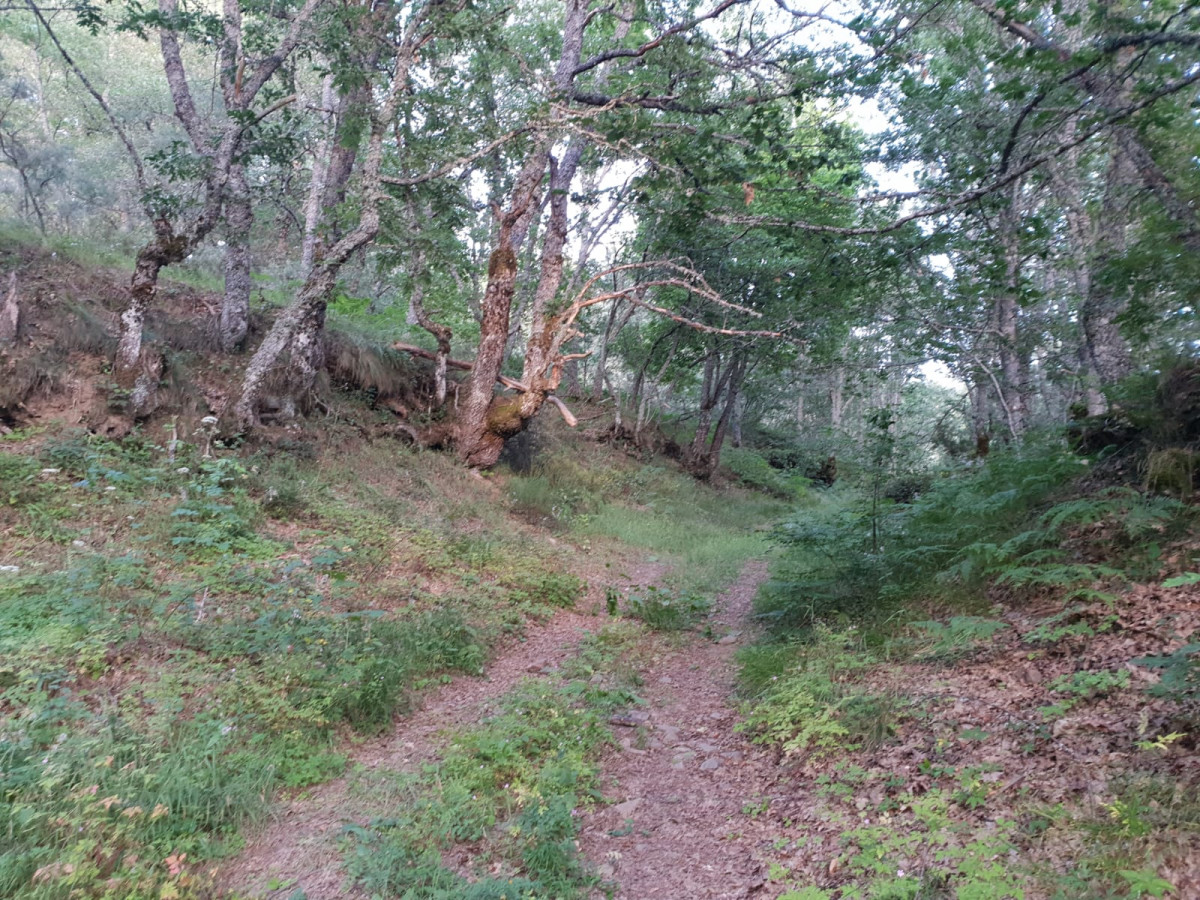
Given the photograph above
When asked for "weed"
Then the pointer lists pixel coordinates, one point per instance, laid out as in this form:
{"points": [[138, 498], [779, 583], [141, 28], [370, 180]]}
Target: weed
{"points": [[958, 636], [663, 609], [812, 707], [555, 589], [1090, 684]]}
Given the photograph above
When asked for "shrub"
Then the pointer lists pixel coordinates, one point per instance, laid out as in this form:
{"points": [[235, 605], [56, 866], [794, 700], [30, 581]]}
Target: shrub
{"points": [[753, 470], [814, 707], [665, 610]]}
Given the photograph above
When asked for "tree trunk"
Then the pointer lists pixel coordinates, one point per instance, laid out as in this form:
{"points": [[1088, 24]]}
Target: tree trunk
{"points": [[704, 463], [297, 331], [1106, 348], [602, 354], [441, 333], [10, 314], [314, 204], [483, 422], [137, 369], [837, 388], [480, 436], [1014, 382], [980, 424], [708, 400], [239, 220]]}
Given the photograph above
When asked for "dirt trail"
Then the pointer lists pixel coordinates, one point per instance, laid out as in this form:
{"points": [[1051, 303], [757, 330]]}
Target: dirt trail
{"points": [[686, 784], [299, 846]]}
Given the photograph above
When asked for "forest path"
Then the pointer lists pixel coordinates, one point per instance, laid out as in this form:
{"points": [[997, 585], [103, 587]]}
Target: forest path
{"points": [[687, 785], [298, 848]]}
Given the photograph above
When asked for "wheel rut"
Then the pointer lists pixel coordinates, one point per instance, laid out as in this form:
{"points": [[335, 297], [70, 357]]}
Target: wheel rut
{"points": [[298, 847], [685, 785]]}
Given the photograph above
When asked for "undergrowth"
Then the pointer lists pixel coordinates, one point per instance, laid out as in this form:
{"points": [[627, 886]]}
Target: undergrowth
{"points": [[182, 636], [864, 586]]}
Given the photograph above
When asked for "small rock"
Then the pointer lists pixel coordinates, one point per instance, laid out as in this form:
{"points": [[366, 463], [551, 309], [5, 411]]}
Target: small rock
{"points": [[536, 667], [706, 747], [51, 471], [628, 807], [669, 732], [630, 718], [10, 570], [182, 470], [711, 763], [730, 638], [78, 543]]}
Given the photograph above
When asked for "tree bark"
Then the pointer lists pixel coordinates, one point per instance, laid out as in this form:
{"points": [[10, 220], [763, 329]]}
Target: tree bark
{"points": [[239, 220], [1014, 382], [483, 422], [10, 313], [314, 207]]}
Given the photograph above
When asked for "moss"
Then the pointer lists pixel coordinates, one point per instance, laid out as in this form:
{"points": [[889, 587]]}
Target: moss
{"points": [[504, 417]]}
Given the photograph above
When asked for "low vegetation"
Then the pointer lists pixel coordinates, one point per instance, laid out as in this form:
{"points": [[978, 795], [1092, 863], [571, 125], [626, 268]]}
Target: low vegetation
{"points": [[184, 635], [988, 691]]}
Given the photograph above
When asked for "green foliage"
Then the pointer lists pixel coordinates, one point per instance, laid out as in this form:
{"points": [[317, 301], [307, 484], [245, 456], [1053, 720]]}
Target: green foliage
{"points": [[958, 636], [1180, 671], [1012, 522], [560, 590], [1090, 684], [216, 519], [813, 705], [755, 471], [663, 609], [1074, 621], [968, 862]]}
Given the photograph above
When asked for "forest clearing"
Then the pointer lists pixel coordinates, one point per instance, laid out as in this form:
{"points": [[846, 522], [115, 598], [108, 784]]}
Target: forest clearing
{"points": [[564, 450]]}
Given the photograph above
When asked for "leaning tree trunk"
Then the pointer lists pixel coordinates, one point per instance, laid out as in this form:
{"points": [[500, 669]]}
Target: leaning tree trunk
{"points": [[441, 333], [737, 373], [480, 436], [704, 452], [239, 219], [1105, 348], [137, 368], [485, 422], [709, 395], [297, 332]]}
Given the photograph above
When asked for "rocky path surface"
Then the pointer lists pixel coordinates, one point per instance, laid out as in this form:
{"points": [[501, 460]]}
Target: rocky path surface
{"points": [[687, 786], [298, 848]]}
